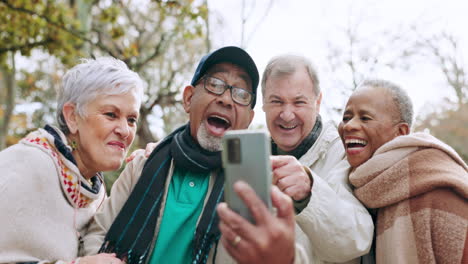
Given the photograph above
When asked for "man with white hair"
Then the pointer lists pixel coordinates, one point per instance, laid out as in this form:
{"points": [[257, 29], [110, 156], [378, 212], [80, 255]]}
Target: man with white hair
{"points": [[339, 227]]}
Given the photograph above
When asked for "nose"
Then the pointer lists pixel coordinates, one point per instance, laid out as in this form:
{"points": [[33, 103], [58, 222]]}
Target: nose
{"points": [[225, 98], [287, 113], [350, 125], [122, 129]]}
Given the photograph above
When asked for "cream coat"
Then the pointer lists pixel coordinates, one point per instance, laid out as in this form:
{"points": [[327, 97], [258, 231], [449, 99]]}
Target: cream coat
{"points": [[37, 221], [339, 227]]}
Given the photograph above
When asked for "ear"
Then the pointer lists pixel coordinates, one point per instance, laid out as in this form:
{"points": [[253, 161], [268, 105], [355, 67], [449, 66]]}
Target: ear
{"points": [[319, 101], [252, 114], [189, 91], [70, 115], [403, 129]]}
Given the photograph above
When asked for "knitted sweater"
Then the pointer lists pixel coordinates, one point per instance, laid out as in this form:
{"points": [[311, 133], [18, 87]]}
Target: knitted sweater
{"points": [[420, 187], [43, 205]]}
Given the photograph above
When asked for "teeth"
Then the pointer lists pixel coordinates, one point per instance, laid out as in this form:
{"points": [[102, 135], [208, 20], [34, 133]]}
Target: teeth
{"points": [[356, 141], [222, 118], [288, 127]]}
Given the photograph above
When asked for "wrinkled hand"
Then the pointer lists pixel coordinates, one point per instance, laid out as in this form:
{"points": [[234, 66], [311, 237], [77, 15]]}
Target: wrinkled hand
{"points": [[102, 258], [147, 151], [290, 177], [270, 240]]}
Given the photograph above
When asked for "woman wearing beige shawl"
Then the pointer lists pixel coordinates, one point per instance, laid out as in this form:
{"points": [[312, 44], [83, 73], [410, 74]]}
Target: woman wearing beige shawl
{"points": [[417, 184]]}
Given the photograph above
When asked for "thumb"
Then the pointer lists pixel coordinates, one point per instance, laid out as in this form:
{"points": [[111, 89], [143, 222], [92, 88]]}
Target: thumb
{"points": [[283, 204]]}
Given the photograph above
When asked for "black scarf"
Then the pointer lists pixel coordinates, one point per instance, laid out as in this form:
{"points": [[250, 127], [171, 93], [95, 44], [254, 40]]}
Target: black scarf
{"points": [[305, 145], [132, 232]]}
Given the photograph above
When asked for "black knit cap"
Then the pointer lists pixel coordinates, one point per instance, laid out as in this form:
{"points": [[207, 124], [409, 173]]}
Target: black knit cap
{"points": [[234, 55]]}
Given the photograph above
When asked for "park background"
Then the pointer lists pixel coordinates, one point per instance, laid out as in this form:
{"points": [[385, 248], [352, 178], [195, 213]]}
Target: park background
{"points": [[418, 44]]}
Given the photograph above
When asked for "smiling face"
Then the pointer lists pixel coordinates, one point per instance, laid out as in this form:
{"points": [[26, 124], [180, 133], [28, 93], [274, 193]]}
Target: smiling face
{"points": [[370, 120], [212, 115], [104, 133], [291, 108]]}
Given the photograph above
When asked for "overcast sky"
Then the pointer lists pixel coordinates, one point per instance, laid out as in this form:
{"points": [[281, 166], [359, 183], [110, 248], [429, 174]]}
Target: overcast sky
{"points": [[308, 26]]}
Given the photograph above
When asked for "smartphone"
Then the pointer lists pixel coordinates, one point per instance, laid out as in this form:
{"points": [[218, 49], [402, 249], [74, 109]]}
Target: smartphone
{"points": [[246, 157]]}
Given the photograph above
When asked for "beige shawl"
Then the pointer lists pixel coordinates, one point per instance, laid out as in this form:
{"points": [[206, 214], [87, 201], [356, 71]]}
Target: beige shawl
{"points": [[420, 187]]}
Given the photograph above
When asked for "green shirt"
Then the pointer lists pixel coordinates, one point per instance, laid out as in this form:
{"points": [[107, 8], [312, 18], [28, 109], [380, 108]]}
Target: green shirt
{"points": [[184, 204]]}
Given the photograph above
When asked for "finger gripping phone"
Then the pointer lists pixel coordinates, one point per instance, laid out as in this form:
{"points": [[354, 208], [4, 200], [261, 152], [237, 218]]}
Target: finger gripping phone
{"points": [[246, 157]]}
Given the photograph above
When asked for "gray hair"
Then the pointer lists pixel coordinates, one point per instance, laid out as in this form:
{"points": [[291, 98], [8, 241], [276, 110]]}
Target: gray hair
{"points": [[287, 64], [400, 98], [92, 77]]}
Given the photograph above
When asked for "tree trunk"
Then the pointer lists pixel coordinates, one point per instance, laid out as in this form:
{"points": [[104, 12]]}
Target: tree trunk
{"points": [[208, 33], [83, 8], [9, 79], [144, 133]]}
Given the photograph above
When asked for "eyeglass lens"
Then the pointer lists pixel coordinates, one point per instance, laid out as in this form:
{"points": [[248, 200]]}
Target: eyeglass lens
{"points": [[238, 95]]}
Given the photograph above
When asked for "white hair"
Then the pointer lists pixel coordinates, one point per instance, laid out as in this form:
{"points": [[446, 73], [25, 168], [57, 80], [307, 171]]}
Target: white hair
{"points": [[208, 141], [92, 77], [399, 96], [288, 64]]}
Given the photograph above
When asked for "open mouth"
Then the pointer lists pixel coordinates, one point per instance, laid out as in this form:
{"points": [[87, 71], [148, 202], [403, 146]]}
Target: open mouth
{"points": [[218, 124], [355, 143]]}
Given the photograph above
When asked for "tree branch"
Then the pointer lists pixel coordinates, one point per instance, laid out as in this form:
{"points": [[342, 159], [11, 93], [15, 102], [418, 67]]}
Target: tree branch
{"points": [[26, 45], [157, 51], [76, 33], [160, 98]]}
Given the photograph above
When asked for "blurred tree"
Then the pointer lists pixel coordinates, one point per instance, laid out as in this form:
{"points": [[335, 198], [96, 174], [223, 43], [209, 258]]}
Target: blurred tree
{"points": [[249, 16], [449, 125], [161, 40], [444, 49], [26, 26], [158, 39], [8, 98], [47, 25], [360, 52]]}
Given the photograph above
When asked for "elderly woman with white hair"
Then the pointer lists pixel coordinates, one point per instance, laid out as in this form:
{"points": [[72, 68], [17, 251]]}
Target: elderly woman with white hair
{"points": [[51, 182]]}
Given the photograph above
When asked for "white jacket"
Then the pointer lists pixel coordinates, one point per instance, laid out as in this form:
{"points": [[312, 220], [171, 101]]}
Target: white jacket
{"points": [[338, 226]]}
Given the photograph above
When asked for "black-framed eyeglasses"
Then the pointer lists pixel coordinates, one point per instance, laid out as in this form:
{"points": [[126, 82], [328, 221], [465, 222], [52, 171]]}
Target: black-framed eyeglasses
{"points": [[218, 87]]}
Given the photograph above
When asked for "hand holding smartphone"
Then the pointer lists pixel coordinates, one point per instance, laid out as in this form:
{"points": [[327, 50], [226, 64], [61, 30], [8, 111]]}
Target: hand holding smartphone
{"points": [[246, 157]]}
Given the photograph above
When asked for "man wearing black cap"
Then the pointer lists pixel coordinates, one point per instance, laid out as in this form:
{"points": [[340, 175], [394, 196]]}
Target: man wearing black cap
{"points": [[162, 209]]}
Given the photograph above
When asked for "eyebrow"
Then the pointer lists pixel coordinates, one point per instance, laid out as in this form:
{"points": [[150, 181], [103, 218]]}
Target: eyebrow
{"points": [[273, 96], [365, 112], [301, 97], [360, 111], [115, 107], [219, 68]]}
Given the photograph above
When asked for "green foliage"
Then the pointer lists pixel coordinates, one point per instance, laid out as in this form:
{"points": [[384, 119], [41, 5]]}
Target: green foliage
{"points": [[48, 25], [110, 177]]}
